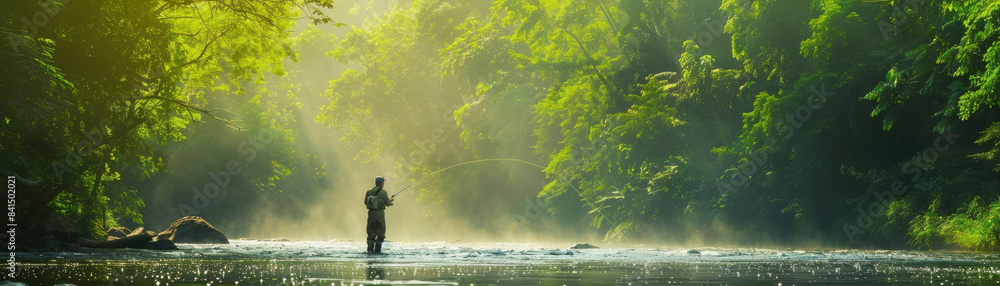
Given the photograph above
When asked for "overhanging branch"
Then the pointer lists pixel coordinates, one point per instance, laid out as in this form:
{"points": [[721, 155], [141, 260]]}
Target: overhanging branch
{"points": [[210, 112]]}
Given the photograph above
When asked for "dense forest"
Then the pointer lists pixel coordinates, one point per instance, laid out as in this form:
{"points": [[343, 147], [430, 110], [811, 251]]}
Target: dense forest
{"points": [[843, 123]]}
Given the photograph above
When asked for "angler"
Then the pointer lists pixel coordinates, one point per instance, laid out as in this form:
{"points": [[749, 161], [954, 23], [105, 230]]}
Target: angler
{"points": [[377, 199]]}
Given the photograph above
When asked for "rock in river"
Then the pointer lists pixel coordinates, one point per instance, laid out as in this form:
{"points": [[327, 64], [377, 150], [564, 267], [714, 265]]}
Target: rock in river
{"points": [[560, 252], [161, 244], [134, 240], [193, 229], [583, 246]]}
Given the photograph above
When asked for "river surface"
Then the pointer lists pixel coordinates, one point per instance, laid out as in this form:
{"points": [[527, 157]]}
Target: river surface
{"points": [[253, 262]]}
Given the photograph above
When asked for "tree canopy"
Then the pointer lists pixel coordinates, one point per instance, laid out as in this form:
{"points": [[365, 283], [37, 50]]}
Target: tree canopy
{"points": [[843, 122]]}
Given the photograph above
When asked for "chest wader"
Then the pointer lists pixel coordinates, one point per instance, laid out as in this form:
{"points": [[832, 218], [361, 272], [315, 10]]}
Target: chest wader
{"points": [[376, 230], [376, 220]]}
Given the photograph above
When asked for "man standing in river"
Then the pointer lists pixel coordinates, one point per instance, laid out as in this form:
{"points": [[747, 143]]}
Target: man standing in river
{"points": [[376, 200]]}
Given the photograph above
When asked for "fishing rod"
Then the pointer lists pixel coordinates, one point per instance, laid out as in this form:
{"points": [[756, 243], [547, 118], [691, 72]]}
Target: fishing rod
{"points": [[595, 208], [465, 163]]}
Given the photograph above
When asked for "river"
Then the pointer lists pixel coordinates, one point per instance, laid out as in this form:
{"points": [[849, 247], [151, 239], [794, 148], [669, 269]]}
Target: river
{"points": [[268, 262]]}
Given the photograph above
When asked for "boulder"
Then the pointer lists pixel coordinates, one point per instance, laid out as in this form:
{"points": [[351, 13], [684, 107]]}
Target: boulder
{"points": [[560, 252], [118, 232], [583, 246], [134, 240], [694, 252], [161, 244], [193, 229]]}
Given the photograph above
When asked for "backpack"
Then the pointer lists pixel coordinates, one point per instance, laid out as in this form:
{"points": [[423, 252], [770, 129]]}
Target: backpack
{"points": [[372, 201]]}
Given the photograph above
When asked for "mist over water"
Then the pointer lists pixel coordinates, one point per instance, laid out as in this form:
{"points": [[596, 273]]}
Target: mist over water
{"points": [[331, 208]]}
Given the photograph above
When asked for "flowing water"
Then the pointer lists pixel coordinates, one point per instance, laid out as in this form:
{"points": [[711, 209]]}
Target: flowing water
{"points": [[252, 262]]}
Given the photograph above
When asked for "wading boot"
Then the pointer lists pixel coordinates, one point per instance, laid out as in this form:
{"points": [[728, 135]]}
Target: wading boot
{"points": [[371, 246], [378, 248]]}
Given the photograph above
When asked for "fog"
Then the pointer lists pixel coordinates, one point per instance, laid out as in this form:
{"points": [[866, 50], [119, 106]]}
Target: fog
{"points": [[331, 208]]}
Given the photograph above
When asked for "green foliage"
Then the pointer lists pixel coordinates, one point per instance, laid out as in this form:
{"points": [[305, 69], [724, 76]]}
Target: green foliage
{"points": [[118, 82], [991, 134], [396, 84], [766, 35], [973, 55], [974, 226], [830, 31]]}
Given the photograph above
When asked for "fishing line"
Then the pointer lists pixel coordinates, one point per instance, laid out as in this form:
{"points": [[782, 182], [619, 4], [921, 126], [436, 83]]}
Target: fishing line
{"points": [[523, 162], [465, 163]]}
